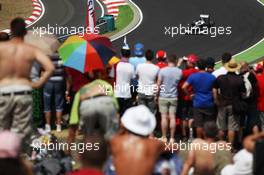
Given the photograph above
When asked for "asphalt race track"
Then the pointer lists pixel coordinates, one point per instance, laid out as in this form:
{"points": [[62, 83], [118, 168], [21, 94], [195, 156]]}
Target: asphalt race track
{"points": [[246, 17], [67, 13]]}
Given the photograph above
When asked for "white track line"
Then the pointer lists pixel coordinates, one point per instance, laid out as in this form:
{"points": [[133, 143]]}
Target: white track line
{"points": [[135, 27], [260, 2], [102, 7]]}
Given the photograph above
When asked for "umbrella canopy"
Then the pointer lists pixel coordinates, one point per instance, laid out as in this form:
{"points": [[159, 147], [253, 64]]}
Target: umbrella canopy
{"points": [[86, 53], [48, 43]]}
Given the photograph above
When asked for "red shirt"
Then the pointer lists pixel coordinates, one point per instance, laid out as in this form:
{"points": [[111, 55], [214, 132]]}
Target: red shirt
{"points": [[185, 74], [162, 64], [78, 79], [260, 79], [87, 172]]}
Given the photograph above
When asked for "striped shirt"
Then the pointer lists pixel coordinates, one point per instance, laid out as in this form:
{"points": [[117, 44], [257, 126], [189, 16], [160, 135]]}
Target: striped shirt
{"points": [[58, 74]]}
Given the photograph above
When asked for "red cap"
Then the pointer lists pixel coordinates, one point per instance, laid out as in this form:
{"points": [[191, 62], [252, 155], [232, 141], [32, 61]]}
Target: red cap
{"points": [[259, 67], [192, 58], [161, 54]]}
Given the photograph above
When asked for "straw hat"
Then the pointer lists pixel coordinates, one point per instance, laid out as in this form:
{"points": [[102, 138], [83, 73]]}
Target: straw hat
{"points": [[232, 66]]}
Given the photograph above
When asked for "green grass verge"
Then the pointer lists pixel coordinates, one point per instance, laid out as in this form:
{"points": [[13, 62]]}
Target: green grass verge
{"points": [[124, 18], [251, 55]]}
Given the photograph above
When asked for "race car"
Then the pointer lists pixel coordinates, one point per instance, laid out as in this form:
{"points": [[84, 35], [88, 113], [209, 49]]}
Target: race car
{"points": [[201, 25]]}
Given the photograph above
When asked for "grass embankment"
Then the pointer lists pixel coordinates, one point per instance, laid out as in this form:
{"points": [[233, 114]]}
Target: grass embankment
{"points": [[124, 18], [12, 9]]}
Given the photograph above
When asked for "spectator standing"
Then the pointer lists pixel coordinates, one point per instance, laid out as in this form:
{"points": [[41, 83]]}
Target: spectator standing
{"points": [[138, 58], [227, 88], [210, 65], [185, 107], [167, 96], [15, 84], [161, 56], [75, 80], [260, 78], [147, 74], [54, 89], [251, 96], [226, 57], [203, 102], [124, 72]]}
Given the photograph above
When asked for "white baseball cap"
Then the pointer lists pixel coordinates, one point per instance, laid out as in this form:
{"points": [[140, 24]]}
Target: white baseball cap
{"points": [[243, 164], [139, 120]]}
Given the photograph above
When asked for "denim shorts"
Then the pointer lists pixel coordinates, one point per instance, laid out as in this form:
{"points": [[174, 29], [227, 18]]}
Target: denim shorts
{"points": [[53, 90]]}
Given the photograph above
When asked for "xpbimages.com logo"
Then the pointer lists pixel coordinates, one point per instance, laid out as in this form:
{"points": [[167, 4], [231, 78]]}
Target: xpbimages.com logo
{"points": [[62, 30], [212, 31]]}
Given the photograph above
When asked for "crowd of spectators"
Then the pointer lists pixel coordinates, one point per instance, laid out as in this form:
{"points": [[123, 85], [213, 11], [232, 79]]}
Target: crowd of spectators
{"points": [[140, 114]]}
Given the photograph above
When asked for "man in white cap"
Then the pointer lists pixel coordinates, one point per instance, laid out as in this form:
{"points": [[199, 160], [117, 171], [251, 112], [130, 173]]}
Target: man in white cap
{"points": [[133, 152]]}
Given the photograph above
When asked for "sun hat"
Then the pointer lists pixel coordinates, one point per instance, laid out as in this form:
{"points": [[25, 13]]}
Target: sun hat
{"points": [[139, 49], [232, 66], [9, 144], [161, 54], [139, 120], [243, 164]]}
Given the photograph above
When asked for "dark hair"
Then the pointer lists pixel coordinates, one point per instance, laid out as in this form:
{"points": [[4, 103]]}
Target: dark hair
{"points": [[95, 157], [149, 55], [201, 64], [226, 57], [4, 36], [210, 62], [18, 27], [14, 166], [210, 130], [172, 59], [125, 53]]}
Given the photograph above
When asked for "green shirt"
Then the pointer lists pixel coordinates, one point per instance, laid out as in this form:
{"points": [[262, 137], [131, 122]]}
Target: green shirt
{"points": [[74, 116]]}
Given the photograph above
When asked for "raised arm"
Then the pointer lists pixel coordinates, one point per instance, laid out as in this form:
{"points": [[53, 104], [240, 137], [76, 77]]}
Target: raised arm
{"points": [[47, 66]]}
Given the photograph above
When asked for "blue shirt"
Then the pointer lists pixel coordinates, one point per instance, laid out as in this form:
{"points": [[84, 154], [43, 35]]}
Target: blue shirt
{"points": [[136, 61], [202, 83], [170, 77]]}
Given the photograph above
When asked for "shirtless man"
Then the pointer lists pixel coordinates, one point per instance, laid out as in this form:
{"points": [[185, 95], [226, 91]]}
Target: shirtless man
{"points": [[16, 59], [133, 152], [208, 157]]}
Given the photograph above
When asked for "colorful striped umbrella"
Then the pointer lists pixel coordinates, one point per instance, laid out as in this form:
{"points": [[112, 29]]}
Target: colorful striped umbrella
{"points": [[86, 53]]}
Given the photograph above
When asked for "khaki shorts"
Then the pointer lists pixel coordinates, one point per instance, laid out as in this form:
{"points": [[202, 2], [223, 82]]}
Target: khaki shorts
{"points": [[168, 105], [16, 114], [99, 113], [226, 120]]}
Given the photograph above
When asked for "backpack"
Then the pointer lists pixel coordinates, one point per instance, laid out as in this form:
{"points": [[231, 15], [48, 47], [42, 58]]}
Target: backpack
{"points": [[247, 85]]}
